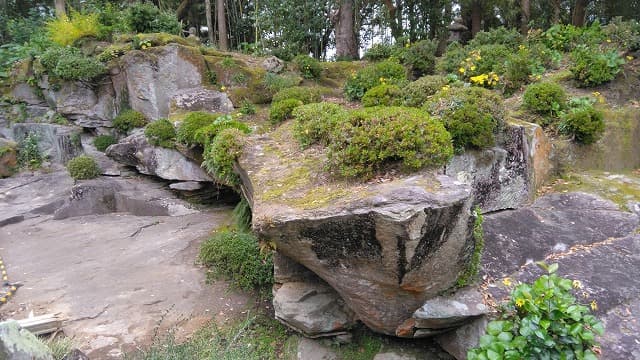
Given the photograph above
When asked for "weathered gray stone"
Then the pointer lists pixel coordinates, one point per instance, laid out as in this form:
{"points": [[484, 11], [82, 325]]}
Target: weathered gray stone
{"points": [[58, 143], [186, 186], [27, 94], [506, 176], [273, 65], [392, 355], [75, 354], [590, 240], [201, 99], [446, 312], [20, 344], [8, 157], [385, 247], [108, 195], [309, 349], [154, 76], [165, 163]]}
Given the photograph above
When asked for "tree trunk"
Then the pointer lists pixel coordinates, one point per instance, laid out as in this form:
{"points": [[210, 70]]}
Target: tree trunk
{"points": [[207, 6], [579, 12], [346, 43], [555, 16], [395, 13], [223, 41], [60, 8], [525, 7], [476, 17]]}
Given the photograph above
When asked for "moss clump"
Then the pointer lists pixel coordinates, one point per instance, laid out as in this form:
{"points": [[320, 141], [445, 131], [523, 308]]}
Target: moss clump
{"points": [[307, 95], [382, 95], [193, 122], [585, 124], [221, 153], [402, 135], [544, 98], [308, 67], [102, 142], [129, 120], [205, 135], [236, 255], [384, 72], [83, 167], [161, 133], [314, 123], [469, 274], [282, 110]]}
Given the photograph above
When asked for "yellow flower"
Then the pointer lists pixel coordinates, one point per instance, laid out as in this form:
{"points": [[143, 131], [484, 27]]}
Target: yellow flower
{"points": [[594, 305], [473, 67], [462, 70], [519, 302], [222, 88], [576, 284], [506, 281], [629, 57], [445, 88], [521, 47], [595, 93], [608, 40]]}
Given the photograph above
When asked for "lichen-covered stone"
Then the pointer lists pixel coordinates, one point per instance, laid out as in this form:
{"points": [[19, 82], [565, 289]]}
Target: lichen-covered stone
{"points": [[201, 99], [58, 143], [384, 247], [20, 344]]}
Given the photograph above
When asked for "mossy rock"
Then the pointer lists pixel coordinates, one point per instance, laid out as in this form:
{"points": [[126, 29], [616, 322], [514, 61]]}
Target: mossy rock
{"points": [[160, 39]]}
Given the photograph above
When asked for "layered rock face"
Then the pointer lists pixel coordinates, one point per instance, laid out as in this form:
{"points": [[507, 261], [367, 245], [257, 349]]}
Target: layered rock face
{"points": [[385, 248]]}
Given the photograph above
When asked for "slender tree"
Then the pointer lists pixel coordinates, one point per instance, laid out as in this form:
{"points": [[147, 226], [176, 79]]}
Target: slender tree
{"points": [[207, 6], [223, 41], [346, 41], [525, 16], [60, 8], [579, 12]]}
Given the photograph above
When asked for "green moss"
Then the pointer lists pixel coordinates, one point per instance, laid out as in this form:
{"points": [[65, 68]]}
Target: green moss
{"points": [[102, 142], [161, 133], [83, 167], [193, 121], [282, 110], [160, 39], [619, 188], [469, 274], [129, 120]]}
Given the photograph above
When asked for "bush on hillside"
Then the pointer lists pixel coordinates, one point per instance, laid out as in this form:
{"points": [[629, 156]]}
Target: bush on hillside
{"points": [[220, 154], [417, 92], [129, 120], [511, 38], [147, 18], [307, 95], [206, 134], [382, 95], [585, 124], [70, 64], [385, 72], [161, 133], [314, 123], [406, 136], [282, 110], [309, 67], [65, 30], [192, 122], [545, 98], [83, 167], [593, 66], [421, 57]]}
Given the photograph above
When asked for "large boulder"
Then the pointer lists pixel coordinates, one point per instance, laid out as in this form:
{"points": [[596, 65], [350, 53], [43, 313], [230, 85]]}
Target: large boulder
{"points": [[154, 76], [591, 240], [169, 164], [20, 344], [384, 247], [58, 143], [506, 176], [8, 158], [201, 99]]}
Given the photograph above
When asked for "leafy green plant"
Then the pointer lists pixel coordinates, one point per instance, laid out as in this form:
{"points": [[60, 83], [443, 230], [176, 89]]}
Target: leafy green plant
{"points": [[421, 57], [378, 52], [314, 123], [453, 57], [275, 82], [113, 52], [236, 256], [220, 154], [511, 38], [470, 128], [247, 108], [193, 121], [583, 122], [65, 30], [592, 66], [406, 136], [69, 64], [416, 93], [83, 167], [307, 95], [382, 95], [625, 33], [242, 215], [102, 142], [542, 320], [384, 72], [565, 37], [282, 110], [29, 154], [204, 135], [161, 133], [545, 98], [128, 120], [307, 66], [147, 18]]}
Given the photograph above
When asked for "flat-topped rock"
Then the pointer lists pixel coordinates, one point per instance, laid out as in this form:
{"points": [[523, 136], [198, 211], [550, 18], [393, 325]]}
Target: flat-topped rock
{"points": [[385, 246]]}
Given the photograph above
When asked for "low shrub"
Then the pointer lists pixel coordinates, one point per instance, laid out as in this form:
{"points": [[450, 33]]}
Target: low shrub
{"points": [[282, 110], [65, 30], [274, 82], [192, 122], [220, 154], [161, 133], [247, 108], [147, 18], [542, 320], [378, 52], [421, 57], [416, 93], [510, 38], [625, 33], [545, 98], [128, 120], [314, 123], [453, 57], [236, 256], [307, 66], [83, 167], [591, 66], [584, 123], [70, 64], [102, 142], [406, 136], [485, 59], [204, 135], [307, 95], [565, 37], [29, 154], [113, 52], [385, 72], [382, 95]]}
